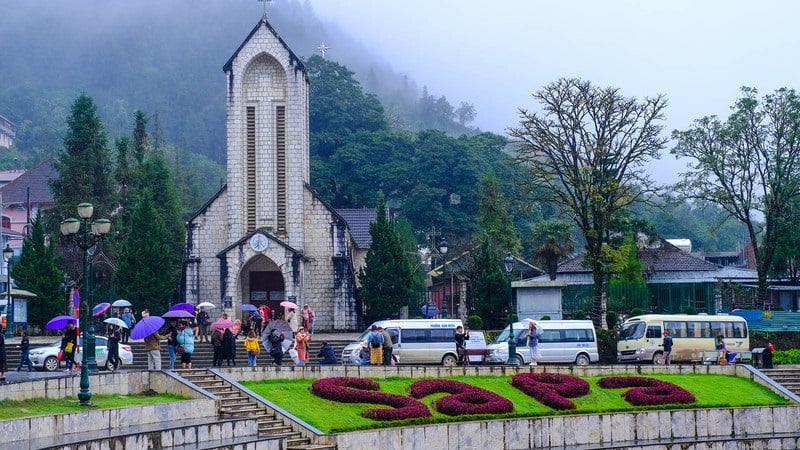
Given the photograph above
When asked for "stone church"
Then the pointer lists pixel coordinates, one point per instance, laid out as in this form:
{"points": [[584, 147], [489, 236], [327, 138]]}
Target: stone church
{"points": [[266, 236]]}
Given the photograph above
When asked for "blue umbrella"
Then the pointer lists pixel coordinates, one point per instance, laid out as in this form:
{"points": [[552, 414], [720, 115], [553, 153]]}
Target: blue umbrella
{"points": [[249, 307], [183, 307], [100, 309], [59, 322], [146, 327], [429, 310], [179, 313]]}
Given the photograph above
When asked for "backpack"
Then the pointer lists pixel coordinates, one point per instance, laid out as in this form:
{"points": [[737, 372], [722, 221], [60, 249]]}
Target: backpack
{"points": [[375, 340]]}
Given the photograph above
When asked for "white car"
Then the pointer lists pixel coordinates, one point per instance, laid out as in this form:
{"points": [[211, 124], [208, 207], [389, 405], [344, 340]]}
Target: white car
{"points": [[46, 358]]}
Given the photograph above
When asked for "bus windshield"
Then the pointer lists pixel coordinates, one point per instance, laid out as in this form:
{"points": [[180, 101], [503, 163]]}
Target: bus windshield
{"points": [[633, 330]]}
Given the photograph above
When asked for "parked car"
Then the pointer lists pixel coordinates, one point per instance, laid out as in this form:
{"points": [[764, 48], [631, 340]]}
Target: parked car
{"points": [[46, 358]]}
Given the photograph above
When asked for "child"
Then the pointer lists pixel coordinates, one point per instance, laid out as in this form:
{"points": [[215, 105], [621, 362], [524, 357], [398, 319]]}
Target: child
{"points": [[253, 348]]}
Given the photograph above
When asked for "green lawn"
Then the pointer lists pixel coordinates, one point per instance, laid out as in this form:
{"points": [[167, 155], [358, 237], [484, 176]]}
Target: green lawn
{"points": [[13, 409], [711, 391]]}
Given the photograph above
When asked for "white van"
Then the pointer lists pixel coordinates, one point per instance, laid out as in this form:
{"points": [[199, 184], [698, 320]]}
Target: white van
{"points": [[561, 341], [414, 341]]}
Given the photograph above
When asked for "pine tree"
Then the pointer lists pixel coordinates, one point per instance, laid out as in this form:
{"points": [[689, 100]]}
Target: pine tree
{"points": [[84, 165], [494, 219], [36, 271], [145, 271], [489, 285], [386, 279]]}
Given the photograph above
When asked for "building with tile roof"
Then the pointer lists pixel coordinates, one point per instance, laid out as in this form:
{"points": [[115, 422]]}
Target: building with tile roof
{"points": [[674, 280]]}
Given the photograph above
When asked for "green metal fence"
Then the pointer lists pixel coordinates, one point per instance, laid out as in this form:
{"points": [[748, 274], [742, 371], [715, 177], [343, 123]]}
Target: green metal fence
{"points": [[665, 298]]}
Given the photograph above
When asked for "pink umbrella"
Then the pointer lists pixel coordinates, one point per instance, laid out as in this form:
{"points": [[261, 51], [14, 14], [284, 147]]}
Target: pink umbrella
{"points": [[221, 324], [288, 304]]}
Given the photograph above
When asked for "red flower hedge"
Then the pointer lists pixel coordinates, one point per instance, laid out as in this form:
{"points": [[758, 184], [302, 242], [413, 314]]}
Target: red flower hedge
{"points": [[464, 398], [552, 389], [362, 390], [648, 391]]}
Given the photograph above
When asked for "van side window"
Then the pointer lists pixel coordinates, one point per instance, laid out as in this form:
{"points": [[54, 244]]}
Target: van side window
{"points": [[738, 329], [411, 335], [676, 329], [653, 332], [443, 335], [394, 333], [550, 336]]}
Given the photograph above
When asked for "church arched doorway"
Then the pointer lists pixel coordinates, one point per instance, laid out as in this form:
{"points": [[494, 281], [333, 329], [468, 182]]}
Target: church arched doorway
{"points": [[262, 284]]}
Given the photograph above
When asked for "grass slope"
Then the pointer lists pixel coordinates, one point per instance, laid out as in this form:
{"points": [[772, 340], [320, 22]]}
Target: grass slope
{"points": [[17, 409], [711, 391]]}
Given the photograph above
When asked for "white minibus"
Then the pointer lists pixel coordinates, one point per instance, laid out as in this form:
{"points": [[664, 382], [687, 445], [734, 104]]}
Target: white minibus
{"points": [[641, 338], [560, 341], [414, 341]]}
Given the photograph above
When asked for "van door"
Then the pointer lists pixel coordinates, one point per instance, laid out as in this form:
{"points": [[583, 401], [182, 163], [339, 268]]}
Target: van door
{"points": [[550, 346], [413, 344]]}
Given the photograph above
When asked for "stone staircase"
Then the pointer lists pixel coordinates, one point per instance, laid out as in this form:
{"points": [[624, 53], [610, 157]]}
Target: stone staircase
{"points": [[235, 404], [788, 377]]}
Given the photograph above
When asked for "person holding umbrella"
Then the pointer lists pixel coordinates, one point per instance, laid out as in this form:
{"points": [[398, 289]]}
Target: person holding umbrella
{"points": [[129, 320], [113, 347], [186, 343], [153, 348], [69, 343]]}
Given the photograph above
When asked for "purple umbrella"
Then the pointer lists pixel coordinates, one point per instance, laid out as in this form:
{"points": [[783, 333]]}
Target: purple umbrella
{"points": [[146, 327], [249, 307], [179, 313], [100, 309], [183, 307], [59, 322]]}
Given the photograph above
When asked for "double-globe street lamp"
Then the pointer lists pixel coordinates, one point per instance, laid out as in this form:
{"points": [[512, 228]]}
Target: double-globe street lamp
{"points": [[86, 236], [8, 253], [508, 262], [443, 251]]}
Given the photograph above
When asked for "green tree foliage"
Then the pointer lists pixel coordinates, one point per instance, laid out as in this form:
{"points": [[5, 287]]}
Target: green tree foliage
{"points": [[625, 264], [84, 164], [489, 285], [552, 242], [36, 271], [786, 264], [386, 279], [408, 241], [493, 216], [747, 165], [145, 273], [586, 151]]}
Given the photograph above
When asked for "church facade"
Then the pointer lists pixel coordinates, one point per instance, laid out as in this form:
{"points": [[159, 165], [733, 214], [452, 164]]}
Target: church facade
{"points": [[266, 236]]}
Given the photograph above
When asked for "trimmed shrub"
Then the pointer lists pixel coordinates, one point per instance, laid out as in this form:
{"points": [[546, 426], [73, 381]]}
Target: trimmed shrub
{"points": [[474, 323], [611, 320], [551, 389], [362, 390], [464, 398], [648, 391]]}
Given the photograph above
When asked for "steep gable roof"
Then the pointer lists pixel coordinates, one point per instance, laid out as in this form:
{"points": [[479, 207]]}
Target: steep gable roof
{"points": [[358, 221], [294, 60], [37, 179]]}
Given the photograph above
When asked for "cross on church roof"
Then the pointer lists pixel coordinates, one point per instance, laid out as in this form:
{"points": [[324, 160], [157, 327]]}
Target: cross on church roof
{"points": [[265, 6], [323, 48]]}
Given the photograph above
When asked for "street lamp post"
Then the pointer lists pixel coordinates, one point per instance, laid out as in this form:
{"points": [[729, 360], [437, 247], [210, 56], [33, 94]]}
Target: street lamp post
{"points": [[508, 262], [8, 253], [86, 236], [443, 251]]}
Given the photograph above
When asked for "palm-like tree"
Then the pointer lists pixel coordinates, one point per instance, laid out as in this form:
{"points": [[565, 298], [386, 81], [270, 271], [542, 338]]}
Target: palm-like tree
{"points": [[553, 241]]}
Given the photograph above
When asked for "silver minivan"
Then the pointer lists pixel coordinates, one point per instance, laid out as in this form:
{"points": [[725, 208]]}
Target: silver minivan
{"points": [[561, 341], [414, 341]]}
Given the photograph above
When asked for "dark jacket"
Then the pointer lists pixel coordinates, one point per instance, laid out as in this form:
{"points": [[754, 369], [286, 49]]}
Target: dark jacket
{"points": [[216, 339], [228, 345], [275, 343], [327, 354]]}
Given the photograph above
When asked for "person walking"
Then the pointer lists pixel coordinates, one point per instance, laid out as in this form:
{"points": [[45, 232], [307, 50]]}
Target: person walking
{"points": [[203, 321], [461, 338], [667, 343], [152, 346], [533, 342], [301, 341], [387, 347], [130, 321], [69, 343], [229, 347], [216, 344], [3, 357], [112, 348], [25, 350], [252, 347], [291, 317], [306, 313], [275, 340], [172, 341], [185, 344], [257, 322]]}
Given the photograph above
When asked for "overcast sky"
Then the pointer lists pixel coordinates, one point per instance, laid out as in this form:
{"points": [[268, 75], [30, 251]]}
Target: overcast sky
{"points": [[495, 54]]}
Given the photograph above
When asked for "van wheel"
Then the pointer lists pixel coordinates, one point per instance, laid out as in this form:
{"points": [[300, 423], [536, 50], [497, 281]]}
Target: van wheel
{"points": [[658, 358], [449, 360], [582, 360]]}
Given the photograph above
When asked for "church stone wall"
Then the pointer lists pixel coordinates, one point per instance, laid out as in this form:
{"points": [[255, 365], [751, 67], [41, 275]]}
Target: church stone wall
{"points": [[207, 230]]}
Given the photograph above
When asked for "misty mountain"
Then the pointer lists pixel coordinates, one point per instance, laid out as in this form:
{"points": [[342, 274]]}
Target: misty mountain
{"points": [[167, 58]]}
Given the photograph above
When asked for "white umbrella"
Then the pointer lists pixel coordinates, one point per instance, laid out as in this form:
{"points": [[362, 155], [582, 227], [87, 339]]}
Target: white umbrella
{"points": [[121, 303], [527, 321], [116, 321], [206, 305]]}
